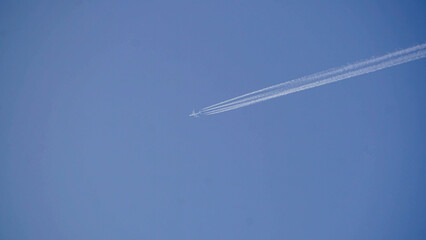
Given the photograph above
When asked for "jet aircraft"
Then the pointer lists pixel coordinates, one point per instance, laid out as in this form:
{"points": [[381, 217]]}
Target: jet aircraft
{"points": [[194, 114]]}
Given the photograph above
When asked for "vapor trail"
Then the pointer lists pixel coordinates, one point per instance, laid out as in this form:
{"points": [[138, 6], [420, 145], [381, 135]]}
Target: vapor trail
{"points": [[281, 92], [318, 79]]}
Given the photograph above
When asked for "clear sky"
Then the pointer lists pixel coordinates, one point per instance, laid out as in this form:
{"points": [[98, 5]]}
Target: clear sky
{"points": [[96, 142]]}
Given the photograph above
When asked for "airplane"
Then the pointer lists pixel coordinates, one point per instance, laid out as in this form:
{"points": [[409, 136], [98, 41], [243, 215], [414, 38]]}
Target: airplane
{"points": [[194, 114]]}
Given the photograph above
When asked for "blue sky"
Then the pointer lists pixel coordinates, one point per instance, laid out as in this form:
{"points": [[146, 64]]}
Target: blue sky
{"points": [[96, 142]]}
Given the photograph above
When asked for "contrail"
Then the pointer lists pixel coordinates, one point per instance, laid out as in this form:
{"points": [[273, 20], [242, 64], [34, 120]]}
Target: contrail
{"points": [[303, 86], [318, 79]]}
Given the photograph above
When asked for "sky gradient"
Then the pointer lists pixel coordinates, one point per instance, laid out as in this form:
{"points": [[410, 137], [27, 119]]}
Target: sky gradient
{"points": [[96, 142]]}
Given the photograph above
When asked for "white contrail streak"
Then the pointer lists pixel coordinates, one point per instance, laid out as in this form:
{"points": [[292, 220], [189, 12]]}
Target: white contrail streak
{"points": [[318, 79], [282, 92]]}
